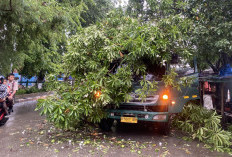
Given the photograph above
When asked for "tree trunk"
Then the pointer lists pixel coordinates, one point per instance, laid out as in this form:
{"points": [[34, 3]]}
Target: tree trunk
{"points": [[214, 68]]}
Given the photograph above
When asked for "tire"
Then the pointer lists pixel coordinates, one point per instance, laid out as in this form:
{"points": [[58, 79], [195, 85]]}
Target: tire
{"points": [[164, 128], [106, 124], [3, 121]]}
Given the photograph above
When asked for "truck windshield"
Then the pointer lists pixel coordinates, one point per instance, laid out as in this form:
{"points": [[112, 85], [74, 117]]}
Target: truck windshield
{"points": [[155, 71], [182, 68]]}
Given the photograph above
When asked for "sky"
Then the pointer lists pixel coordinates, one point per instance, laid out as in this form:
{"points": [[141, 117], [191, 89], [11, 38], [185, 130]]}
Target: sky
{"points": [[120, 2]]}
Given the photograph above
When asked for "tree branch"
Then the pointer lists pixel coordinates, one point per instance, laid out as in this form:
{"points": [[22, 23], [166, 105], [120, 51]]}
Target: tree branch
{"points": [[218, 63]]}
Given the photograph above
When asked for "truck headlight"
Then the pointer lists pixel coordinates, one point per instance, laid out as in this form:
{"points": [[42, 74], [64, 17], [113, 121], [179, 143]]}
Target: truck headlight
{"points": [[165, 97], [160, 117], [173, 102]]}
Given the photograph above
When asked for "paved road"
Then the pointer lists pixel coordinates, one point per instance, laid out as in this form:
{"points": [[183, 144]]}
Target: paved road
{"points": [[28, 134]]}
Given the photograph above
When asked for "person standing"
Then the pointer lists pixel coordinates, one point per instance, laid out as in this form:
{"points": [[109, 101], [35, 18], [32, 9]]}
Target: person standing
{"points": [[12, 86]]}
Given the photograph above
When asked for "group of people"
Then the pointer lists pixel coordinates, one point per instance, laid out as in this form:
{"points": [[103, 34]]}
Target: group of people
{"points": [[8, 89]]}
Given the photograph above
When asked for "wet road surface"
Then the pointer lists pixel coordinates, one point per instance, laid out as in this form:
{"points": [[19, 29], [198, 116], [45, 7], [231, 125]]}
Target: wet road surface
{"points": [[27, 134]]}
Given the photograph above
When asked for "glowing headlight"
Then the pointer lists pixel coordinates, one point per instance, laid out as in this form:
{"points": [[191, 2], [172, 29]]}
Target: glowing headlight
{"points": [[173, 102], [97, 94], [165, 97]]}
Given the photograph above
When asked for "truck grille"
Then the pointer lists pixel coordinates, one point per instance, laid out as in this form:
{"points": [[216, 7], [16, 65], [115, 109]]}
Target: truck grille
{"points": [[131, 107], [156, 108], [149, 99]]}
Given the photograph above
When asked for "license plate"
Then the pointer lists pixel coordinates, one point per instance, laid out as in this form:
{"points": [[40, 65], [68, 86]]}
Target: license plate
{"points": [[129, 119]]}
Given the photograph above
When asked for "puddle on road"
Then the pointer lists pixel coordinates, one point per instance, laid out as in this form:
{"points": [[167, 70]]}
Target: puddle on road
{"points": [[22, 112]]}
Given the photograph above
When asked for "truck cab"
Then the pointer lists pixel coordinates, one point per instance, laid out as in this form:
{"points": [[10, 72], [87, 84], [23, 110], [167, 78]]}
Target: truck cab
{"points": [[158, 106]]}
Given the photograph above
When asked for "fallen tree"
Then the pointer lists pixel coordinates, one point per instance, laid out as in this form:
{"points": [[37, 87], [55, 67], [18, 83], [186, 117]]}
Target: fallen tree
{"points": [[104, 58], [204, 125]]}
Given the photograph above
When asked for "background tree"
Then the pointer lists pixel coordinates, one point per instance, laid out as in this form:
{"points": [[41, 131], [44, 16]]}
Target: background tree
{"points": [[149, 10], [210, 36], [34, 33], [97, 11], [212, 32]]}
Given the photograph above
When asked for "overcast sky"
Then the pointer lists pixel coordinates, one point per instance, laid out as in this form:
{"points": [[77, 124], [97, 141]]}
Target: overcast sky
{"points": [[120, 2]]}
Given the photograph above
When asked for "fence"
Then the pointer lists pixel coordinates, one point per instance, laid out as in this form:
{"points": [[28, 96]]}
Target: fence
{"points": [[28, 84]]}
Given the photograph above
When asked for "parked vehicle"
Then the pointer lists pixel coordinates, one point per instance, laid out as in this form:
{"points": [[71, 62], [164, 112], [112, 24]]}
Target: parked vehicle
{"points": [[3, 119], [158, 107]]}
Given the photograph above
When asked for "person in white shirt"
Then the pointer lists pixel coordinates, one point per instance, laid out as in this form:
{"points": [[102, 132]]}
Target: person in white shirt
{"points": [[12, 86]]}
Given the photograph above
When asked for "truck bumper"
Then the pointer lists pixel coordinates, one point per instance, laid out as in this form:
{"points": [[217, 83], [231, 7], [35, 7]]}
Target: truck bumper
{"points": [[140, 115]]}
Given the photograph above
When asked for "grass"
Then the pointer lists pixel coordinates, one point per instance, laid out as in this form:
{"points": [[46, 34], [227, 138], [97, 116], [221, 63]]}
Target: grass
{"points": [[33, 89]]}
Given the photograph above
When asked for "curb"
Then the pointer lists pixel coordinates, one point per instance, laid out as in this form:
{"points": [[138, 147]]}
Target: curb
{"points": [[32, 97]]}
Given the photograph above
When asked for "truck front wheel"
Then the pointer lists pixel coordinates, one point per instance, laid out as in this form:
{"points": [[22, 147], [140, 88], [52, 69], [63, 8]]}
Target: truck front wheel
{"points": [[106, 124], [164, 127]]}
